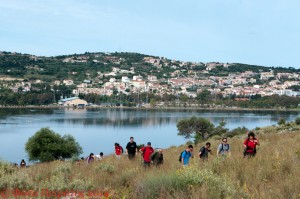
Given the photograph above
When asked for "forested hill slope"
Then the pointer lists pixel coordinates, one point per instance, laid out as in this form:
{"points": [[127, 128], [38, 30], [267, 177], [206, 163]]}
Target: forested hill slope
{"points": [[89, 65]]}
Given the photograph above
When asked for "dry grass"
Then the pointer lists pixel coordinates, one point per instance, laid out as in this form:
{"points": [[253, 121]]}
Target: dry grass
{"points": [[273, 173]]}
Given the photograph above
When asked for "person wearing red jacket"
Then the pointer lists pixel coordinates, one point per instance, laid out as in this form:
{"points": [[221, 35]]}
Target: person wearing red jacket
{"points": [[146, 153], [118, 150], [250, 145]]}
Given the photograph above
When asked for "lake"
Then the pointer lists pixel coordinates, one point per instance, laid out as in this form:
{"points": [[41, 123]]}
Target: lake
{"points": [[97, 130]]}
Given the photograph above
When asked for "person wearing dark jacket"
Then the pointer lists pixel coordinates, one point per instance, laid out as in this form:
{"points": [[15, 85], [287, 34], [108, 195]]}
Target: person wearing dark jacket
{"points": [[203, 152], [157, 158], [23, 163], [131, 149]]}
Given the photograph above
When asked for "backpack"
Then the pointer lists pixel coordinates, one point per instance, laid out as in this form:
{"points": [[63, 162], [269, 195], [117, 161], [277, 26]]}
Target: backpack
{"points": [[202, 150], [153, 155], [223, 148], [180, 157], [121, 148]]}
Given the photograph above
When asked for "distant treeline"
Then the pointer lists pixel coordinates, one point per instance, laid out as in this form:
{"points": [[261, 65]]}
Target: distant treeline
{"points": [[203, 99]]}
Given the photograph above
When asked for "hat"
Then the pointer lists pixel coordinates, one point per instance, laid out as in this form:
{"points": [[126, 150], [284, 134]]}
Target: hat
{"points": [[148, 143]]}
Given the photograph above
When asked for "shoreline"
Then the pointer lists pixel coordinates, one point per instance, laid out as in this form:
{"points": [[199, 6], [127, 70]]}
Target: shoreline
{"points": [[232, 109]]}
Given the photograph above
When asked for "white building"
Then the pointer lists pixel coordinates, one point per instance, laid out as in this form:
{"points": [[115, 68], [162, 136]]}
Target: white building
{"points": [[137, 78], [125, 79], [112, 79], [72, 102], [68, 82], [266, 75], [152, 78]]}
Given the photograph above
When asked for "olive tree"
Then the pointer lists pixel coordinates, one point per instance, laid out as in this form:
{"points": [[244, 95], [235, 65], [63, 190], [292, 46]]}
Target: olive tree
{"points": [[199, 128], [46, 145]]}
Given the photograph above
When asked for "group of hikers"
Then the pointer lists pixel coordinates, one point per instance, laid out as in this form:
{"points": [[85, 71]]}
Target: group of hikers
{"points": [[155, 157], [223, 149], [148, 153]]}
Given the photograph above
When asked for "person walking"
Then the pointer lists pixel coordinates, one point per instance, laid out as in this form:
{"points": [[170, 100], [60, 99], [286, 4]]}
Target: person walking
{"points": [[250, 145], [186, 155], [100, 156], [118, 150], [223, 148], [157, 158], [22, 163], [146, 153], [90, 158], [131, 149], [203, 152]]}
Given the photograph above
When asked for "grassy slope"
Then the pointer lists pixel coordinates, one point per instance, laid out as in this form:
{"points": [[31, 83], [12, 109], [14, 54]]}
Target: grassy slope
{"points": [[274, 173]]}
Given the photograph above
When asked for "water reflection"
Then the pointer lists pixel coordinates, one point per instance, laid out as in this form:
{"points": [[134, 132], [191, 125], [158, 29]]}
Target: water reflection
{"points": [[97, 129], [119, 118], [135, 118]]}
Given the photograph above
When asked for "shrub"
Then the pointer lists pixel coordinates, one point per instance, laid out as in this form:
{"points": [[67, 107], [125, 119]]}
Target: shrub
{"points": [[5, 169], [46, 145], [297, 120], [153, 186], [281, 121], [218, 186], [81, 184], [106, 167], [237, 131], [10, 177]]}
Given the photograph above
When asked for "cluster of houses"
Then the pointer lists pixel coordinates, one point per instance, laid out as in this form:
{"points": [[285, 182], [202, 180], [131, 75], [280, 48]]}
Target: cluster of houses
{"points": [[180, 80]]}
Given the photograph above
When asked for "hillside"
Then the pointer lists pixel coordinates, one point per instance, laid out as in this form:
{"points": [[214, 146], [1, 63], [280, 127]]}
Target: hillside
{"points": [[133, 79], [273, 173], [87, 65]]}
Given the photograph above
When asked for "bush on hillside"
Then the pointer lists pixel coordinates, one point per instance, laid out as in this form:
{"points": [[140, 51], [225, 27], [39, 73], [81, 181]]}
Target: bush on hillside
{"points": [[237, 131], [281, 121], [46, 145], [297, 120]]}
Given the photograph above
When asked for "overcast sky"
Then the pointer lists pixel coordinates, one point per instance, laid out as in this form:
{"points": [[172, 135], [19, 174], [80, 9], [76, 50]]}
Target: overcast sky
{"points": [[262, 32]]}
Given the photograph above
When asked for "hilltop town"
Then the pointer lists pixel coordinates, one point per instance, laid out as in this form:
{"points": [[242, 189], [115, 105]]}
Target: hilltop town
{"points": [[108, 74]]}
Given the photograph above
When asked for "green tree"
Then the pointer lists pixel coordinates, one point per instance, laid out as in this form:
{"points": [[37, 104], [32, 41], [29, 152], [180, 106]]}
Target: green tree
{"points": [[297, 120], [204, 96], [281, 121], [46, 145], [199, 128], [152, 103]]}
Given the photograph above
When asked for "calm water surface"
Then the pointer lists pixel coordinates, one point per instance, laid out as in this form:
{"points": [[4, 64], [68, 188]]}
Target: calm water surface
{"points": [[97, 130]]}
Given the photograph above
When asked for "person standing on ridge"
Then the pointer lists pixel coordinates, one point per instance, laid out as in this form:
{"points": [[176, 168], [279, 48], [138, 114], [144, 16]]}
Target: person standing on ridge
{"points": [[22, 163], [131, 149]]}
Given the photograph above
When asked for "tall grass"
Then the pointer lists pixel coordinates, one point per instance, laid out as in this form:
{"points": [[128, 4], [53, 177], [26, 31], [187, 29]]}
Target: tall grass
{"points": [[273, 173]]}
